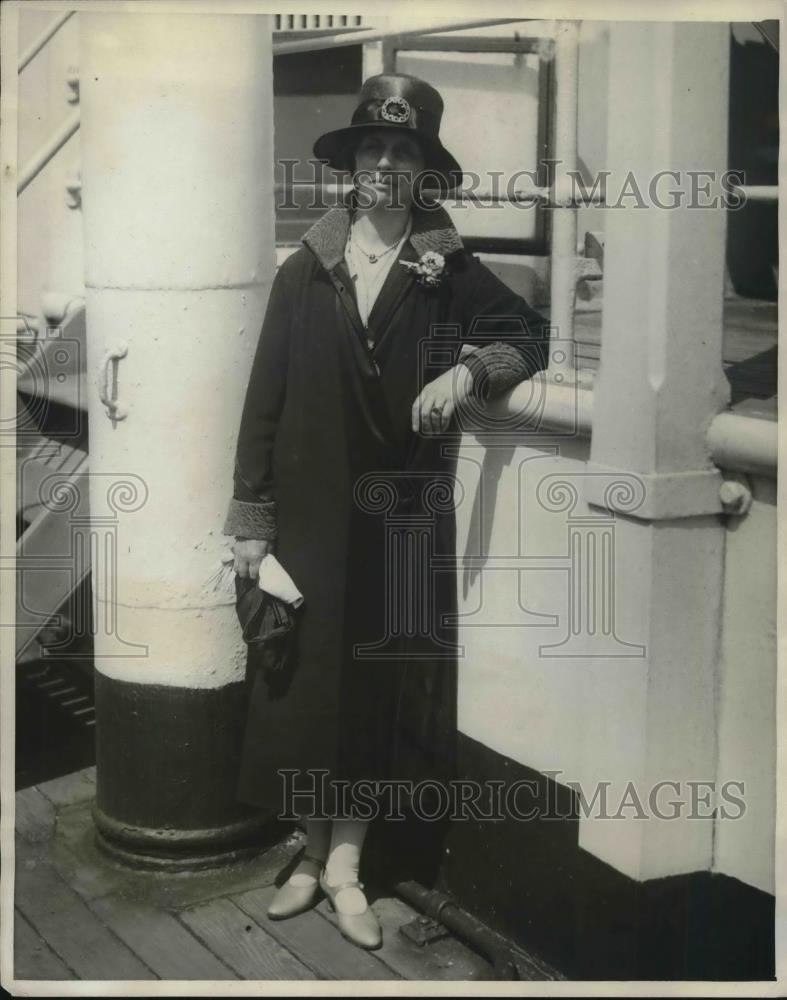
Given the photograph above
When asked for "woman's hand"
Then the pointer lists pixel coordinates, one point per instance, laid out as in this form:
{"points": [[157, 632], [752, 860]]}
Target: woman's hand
{"points": [[249, 553], [435, 406]]}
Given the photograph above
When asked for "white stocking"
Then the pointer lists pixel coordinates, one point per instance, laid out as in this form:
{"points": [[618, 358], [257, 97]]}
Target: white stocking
{"points": [[344, 860]]}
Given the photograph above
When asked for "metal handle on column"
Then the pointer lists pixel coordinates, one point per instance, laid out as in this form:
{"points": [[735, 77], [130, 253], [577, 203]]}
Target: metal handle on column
{"points": [[116, 410]]}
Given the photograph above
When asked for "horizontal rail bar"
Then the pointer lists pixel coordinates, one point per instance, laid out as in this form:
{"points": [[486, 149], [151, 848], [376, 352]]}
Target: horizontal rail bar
{"points": [[43, 38], [560, 407], [758, 192], [564, 195], [519, 195], [376, 35], [50, 149], [737, 443], [527, 45], [744, 444]]}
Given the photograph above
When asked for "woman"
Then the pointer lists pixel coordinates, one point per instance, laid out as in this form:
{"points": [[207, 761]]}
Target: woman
{"points": [[342, 459]]}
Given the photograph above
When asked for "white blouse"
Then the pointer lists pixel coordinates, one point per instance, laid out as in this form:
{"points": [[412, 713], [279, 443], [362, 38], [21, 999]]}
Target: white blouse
{"points": [[367, 277]]}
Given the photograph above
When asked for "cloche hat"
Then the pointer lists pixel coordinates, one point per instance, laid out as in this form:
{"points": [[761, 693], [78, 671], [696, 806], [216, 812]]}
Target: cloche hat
{"points": [[402, 102]]}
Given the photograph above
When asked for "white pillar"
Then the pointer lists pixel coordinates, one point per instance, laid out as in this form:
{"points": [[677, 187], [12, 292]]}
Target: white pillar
{"points": [[177, 140], [659, 386]]}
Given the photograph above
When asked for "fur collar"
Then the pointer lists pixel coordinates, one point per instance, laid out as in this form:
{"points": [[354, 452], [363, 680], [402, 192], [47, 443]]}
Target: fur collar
{"points": [[432, 229]]}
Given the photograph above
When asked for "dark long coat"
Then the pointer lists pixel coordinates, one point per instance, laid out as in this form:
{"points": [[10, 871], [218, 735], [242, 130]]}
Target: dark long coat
{"points": [[364, 512]]}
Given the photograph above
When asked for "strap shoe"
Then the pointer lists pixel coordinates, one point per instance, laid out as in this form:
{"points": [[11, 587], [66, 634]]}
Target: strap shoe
{"points": [[362, 928], [293, 899]]}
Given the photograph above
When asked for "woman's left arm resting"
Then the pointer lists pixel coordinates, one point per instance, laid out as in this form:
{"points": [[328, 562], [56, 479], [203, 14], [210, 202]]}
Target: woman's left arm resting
{"points": [[504, 340]]}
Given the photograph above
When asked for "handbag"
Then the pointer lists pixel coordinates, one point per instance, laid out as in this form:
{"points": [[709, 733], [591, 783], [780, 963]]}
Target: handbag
{"points": [[268, 624]]}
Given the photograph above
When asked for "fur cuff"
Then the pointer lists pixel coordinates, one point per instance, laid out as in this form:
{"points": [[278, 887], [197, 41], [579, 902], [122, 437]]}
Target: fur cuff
{"points": [[496, 367], [251, 520]]}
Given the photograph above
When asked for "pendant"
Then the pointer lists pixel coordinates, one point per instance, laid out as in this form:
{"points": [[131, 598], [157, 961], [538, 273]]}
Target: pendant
{"points": [[372, 258]]}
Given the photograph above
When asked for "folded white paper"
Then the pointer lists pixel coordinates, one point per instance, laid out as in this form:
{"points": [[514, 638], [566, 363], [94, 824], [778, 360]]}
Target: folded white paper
{"points": [[275, 580]]}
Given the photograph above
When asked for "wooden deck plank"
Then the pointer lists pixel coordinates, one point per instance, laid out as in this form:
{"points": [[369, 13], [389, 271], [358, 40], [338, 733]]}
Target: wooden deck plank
{"points": [[33, 958], [70, 789], [320, 947], [444, 960], [78, 860], [242, 943], [35, 816], [65, 922], [160, 940]]}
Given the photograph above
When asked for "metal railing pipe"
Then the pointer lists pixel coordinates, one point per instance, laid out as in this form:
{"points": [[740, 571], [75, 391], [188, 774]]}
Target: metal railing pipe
{"points": [[521, 195], [737, 443], [564, 216], [50, 32], [571, 192], [375, 35], [51, 147], [757, 192], [744, 444], [562, 407], [539, 404]]}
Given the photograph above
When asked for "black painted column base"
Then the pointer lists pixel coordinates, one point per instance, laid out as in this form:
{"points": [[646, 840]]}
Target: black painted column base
{"points": [[167, 764], [182, 850]]}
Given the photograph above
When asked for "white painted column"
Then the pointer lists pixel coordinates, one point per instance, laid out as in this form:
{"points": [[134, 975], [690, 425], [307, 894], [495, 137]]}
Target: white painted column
{"points": [[177, 140], [659, 386]]}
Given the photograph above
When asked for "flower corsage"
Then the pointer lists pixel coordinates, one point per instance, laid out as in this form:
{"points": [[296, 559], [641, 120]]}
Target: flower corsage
{"points": [[429, 270]]}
